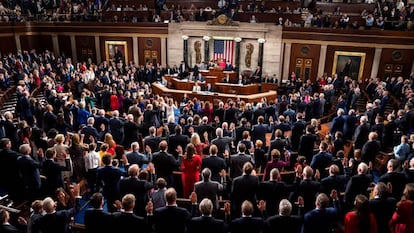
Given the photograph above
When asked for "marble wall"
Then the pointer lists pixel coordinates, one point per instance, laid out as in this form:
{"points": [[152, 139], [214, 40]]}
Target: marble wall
{"points": [[247, 31]]}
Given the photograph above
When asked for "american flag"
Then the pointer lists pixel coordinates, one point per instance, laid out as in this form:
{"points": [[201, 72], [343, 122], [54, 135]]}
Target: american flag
{"points": [[223, 49]]}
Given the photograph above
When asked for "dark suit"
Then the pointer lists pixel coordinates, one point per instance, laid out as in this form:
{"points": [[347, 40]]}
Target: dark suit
{"points": [[131, 133], [153, 142], [259, 132], [333, 182], [129, 222], [247, 225], [383, 209], [57, 221], [7, 228], [176, 140], [53, 173], [370, 150], [236, 164], [208, 189], [99, 120], [165, 164], [358, 184], [116, 127], [9, 168], [230, 115], [140, 190], [215, 164], [206, 224], [239, 133], [90, 131], [243, 188], [308, 189], [297, 130], [108, 178], [222, 144], [136, 158], [337, 125], [320, 161], [320, 221], [30, 173], [361, 135], [272, 192], [97, 220], [397, 180], [307, 145], [171, 219], [285, 224]]}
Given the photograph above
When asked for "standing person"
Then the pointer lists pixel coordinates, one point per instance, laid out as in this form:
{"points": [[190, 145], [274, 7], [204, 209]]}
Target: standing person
{"points": [[30, 171], [53, 171], [96, 219], [165, 163], [361, 219], [402, 220], [92, 163], [190, 167]]}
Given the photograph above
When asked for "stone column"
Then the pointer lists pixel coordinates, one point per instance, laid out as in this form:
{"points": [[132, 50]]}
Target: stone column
{"points": [[260, 61], [376, 63], [286, 61], [206, 48], [163, 51], [18, 44], [322, 58], [135, 50], [185, 50], [412, 68], [55, 43], [73, 47], [98, 50], [237, 55]]}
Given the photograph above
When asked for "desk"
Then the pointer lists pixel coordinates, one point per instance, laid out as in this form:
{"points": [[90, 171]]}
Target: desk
{"points": [[269, 87], [208, 79], [161, 90], [220, 74], [185, 84], [236, 88]]}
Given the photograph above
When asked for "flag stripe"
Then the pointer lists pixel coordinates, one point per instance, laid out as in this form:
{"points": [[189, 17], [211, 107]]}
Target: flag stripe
{"points": [[223, 49]]}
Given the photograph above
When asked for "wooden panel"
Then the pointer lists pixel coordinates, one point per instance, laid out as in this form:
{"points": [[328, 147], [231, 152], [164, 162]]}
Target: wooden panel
{"points": [[85, 48], [38, 42], [306, 51], [396, 57], [126, 39], [65, 46], [369, 56], [7, 45], [151, 44]]}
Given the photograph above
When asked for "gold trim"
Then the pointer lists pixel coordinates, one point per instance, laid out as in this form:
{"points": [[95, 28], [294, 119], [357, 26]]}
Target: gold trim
{"points": [[110, 43], [353, 44], [353, 54]]}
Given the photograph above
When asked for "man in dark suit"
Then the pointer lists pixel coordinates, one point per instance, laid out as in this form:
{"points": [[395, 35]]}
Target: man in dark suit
{"points": [[257, 75], [307, 143], [96, 219], [134, 157], [333, 181], [165, 163], [208, 188], [382, 206], [240, 129], [108, 178], [237, 161], [272, 191], [358, 184], [396, 179], [222, 143], [172, 218], [201, 15], [297, 130], [260, 129], [206, 223], [89, 131], [216, 164], [10, 130], [101, 122], [322, 218], [30, 171], [152, 140], [9, 168], [230, 113], [116, 127], [219, 112], [247, 223], [321, 160], [243, 188], [177, 139], [285, 222], [229, 66], [131, 130], [53, 171], [338, 122], [361, 133], [127, 221], [306, 188], [139, 188], [370, 149], [56, 221]]}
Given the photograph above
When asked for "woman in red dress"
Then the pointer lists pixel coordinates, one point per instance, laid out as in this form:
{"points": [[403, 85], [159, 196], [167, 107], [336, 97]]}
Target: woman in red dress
{"points": [[114, 101], [190, 168], [361, 219], [198, 145]]}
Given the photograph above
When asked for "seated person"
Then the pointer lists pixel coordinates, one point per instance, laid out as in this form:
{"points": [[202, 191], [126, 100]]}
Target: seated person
{"points": [[196, 87], [257, 75], [208, 88], [227, 79], [199, 78], [222, 63], [241, 80], [228, 67]]}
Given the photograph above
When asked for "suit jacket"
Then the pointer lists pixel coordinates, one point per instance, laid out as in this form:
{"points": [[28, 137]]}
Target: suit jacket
{"points": [[9, 169], [177, 140], [153, 142], [236, 164], [259, 132], [285, 224], [321, 161], [206, 224], [30, 173], [361, 135], [308, 189], [99, 120], [333, 182], [337, 124], [129, 222], [383, 209], [53, 173], [320, 221], [7, 228], [397, 180], [307, 145], [272, 192], [136, 158], [131, 133], [243, 188], [358, 184], [140, 190], [208, 189], [222, 145], [116, 127], [90, 131], [171, 219], [165, 164], [297, 130], [247, 225], [108, 178], [215, 164], [97, 220]]}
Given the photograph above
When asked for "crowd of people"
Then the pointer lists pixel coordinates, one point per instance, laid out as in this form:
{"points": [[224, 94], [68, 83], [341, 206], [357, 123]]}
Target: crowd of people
{"points": [[103, 134]]}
